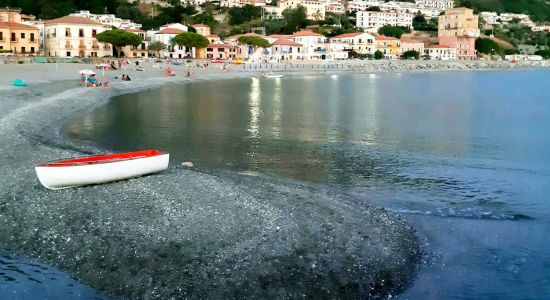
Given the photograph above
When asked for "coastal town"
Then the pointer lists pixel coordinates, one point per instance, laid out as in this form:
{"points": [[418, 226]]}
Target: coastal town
{"points": [[456, 34]]}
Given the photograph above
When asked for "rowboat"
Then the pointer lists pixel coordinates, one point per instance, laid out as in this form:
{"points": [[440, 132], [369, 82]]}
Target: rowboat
{"points": [[273, 76], [97, 169]]}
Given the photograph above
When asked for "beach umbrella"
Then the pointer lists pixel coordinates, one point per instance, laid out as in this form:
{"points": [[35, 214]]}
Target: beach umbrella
{"points": [[86, 72]]}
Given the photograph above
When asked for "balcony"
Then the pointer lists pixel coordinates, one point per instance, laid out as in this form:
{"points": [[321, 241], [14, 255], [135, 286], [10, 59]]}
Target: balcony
{"points": [[68, 47], [95, 47], [81, 46], [106, 48], [16, 40]]}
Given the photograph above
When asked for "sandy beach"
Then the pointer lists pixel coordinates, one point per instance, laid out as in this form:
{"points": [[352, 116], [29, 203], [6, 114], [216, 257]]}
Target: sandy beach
{"points": [[181, 232]]}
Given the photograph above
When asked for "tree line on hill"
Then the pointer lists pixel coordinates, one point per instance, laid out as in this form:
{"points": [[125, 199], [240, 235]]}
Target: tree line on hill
{"points": [[539, 10]]}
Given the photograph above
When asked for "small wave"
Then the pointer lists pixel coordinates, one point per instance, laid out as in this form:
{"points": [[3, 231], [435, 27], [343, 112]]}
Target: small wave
{"points": [[483, 215]]}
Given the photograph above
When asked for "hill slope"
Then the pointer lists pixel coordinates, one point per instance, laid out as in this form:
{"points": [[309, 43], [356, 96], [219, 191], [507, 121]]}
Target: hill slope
{"points": [[539, 10]]}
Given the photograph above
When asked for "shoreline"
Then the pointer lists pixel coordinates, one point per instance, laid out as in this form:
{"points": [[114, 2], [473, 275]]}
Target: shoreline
{"points": [[115, 237]]}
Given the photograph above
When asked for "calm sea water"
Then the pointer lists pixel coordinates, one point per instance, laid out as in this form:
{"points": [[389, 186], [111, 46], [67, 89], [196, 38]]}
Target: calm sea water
{"points": [[463, 156]]}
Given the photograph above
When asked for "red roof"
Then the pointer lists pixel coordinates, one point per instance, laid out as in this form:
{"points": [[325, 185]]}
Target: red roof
{"points": [[234, 37], [13, 25], [385, 38], [219, 45], [134, 30], [438, 46], [215, 36], [346, 35], [170, 31], [285, 42], [279, 36], [411, 41], [306, 33], [73, 20]]}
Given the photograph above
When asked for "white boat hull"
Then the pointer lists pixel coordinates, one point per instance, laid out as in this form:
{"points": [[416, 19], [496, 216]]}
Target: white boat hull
{"points": [[61, 177]]}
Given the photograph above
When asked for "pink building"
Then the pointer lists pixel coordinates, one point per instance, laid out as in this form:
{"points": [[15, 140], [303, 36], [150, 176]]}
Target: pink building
{"points": [[412, 45], [222, 51], [464, 45]]}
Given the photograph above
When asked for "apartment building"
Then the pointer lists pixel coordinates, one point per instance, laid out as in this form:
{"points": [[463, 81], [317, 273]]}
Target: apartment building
{"points": [[16, 37], [71, 36], [371, 21]]}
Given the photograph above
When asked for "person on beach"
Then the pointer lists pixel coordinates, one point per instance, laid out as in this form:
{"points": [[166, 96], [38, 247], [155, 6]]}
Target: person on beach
{"points": [[106, 80], [92, 81]]}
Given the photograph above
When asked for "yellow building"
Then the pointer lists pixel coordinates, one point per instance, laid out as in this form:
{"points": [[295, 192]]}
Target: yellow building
{"points": [[16, 37], [459, 21], [389, 46]]}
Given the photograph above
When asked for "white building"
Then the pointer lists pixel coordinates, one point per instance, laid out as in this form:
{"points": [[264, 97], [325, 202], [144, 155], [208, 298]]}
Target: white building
{"points": [[359, 42], [517, 57], [315, 10], [492, 18], [441, 5], [440, 52], [371, 21], [165, 34], [541, 28], [360, 5], [314, 44], [71, 36], [283, 49], [107, 20], [241, 3]]}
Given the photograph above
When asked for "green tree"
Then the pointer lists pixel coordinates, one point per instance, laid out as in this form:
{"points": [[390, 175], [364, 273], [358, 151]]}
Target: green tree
{"points": [[488, 46], [206, 18], [544, 53], [378, 54], [273, 26], [421, 23], [240, 15], [410, 54], [157, 47], [295, 19], [395, 31], [254, 41], [118, 38], [190, 40]]}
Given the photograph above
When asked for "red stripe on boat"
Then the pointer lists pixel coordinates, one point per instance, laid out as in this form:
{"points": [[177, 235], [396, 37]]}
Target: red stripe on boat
{"points": [[98, 159]]}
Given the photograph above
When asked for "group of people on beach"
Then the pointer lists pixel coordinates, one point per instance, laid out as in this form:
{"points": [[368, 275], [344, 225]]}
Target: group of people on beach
{"points": [[92, 81]]}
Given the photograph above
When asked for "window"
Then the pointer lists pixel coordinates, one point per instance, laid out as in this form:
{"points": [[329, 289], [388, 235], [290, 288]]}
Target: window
{"points": [[220, 49], [1, 36], [13, 38], [80, 32], [22, 35], [68, 53], [32, 37], [32, 49], [67, 32], [94, 32]]}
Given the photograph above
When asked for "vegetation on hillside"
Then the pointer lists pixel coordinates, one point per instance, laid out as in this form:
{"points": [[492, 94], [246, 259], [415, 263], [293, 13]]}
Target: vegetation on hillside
{"points": [[539, 10]]}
